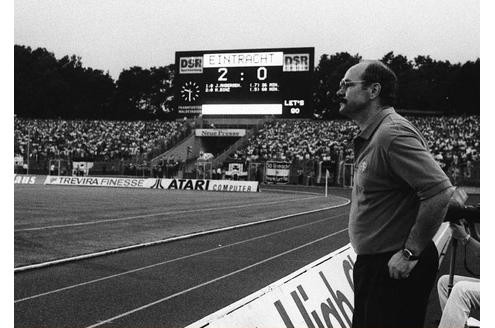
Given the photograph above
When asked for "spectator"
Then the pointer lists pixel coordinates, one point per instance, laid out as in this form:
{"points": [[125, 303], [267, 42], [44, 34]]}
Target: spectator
{"points": [[465, 295], [52, 170]]}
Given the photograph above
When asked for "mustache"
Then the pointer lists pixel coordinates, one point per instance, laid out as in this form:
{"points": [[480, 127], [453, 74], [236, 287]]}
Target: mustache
{"points": [[338, 99]]}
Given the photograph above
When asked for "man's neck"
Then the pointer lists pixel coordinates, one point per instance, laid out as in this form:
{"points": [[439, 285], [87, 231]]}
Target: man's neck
{"points": [[364, 118]]}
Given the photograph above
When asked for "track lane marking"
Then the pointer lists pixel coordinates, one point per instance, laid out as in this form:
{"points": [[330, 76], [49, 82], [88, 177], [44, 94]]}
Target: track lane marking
{"points": [[163, 214], [174, 260], [102, 322], [162, 241]]}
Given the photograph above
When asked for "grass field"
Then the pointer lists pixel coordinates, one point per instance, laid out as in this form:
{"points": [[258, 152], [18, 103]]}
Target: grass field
{"points": [[54, 222]]}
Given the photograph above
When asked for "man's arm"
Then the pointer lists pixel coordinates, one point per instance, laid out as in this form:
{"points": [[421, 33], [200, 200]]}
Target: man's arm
{"points": [[410, 159], [430, 216]]}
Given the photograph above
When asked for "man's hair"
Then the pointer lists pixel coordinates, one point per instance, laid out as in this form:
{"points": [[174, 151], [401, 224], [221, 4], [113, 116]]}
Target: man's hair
{"points": [[378, 72]]}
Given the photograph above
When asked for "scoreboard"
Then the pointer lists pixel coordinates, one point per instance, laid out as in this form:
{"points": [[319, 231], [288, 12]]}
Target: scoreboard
{"points": [[252, 82]]}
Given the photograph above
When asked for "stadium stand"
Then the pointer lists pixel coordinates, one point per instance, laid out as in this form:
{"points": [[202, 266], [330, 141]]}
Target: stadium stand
{"points": [[96, 140], [124, 147], [453, 141], [82, 139]]}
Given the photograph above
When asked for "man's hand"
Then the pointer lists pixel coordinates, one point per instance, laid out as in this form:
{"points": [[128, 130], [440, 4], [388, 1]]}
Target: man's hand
{"points": [[399, 267]]}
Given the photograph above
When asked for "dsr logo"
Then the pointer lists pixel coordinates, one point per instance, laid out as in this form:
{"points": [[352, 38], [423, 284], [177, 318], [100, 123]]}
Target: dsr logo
{"points": [[190, 65]]}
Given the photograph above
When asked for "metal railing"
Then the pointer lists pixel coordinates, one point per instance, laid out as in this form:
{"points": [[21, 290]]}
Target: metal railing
{"points": [[302, 172]]}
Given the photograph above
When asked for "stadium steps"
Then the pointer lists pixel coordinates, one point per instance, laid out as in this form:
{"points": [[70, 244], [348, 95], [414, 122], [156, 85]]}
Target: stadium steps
{"points": [[220, 159], [180, 150]]}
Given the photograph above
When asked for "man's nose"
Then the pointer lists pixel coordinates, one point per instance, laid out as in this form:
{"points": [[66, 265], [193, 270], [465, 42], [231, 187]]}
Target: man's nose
{"points": [[340, 92]]}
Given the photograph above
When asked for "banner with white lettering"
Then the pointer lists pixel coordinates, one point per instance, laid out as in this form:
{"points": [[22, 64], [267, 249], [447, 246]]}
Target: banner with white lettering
{"points": [[29, 179], [277, 172], [320, 294]]}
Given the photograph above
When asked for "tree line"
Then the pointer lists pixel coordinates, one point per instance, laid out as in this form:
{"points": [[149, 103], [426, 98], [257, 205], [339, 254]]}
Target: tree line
{"points": [[425, 85], [47, 87]]}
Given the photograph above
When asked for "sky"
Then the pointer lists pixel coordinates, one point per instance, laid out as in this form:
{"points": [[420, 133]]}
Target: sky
{"points": [[113, 35]]}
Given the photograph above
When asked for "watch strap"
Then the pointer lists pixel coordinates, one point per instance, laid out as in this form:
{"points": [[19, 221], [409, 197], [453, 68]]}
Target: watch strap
{"points": [[409, 255]]}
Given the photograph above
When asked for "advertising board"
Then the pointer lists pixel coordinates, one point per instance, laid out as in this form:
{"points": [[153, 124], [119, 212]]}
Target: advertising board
{"points": [[321, 294], [153, 183]]}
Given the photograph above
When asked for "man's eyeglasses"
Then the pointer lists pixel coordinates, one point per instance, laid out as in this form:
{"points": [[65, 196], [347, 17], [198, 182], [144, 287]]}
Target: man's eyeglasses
{"points": [[344, 84]]}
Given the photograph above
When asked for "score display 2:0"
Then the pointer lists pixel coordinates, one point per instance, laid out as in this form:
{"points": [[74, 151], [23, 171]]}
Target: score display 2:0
{"points": [[261, 74]]}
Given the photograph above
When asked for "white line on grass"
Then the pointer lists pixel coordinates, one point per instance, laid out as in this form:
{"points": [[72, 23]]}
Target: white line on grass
{"points": [[162, 213], [210, 281], [173, 260]]}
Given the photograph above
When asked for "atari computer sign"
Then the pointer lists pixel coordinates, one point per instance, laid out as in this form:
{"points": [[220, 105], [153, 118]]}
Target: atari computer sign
{"points": [[245, 82]]}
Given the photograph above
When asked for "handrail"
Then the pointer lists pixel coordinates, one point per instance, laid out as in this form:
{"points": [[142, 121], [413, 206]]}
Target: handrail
{"points": [[239, 143], [180, 142]]}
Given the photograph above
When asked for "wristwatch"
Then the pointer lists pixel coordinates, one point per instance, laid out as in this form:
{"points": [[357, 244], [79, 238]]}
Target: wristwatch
{"points": [[408, 255]]}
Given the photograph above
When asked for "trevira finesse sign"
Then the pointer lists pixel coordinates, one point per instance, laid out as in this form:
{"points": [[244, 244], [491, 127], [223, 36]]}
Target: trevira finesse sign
{"points": [[154, 183]]}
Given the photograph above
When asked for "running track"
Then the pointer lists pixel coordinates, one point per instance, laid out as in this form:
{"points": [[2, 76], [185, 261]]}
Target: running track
{"points": [[176, 283]]}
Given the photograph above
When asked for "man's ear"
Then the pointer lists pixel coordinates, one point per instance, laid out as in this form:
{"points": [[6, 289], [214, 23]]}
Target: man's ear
{"points": [[375, 90]]}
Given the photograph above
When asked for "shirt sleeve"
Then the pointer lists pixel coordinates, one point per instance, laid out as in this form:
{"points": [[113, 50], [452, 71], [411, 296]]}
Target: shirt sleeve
{"points": [[411, 161]]}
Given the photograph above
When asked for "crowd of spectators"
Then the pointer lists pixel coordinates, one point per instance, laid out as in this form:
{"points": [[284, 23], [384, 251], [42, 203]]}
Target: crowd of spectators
{"points": [[93, 140], [289, 140], [453, 141]]}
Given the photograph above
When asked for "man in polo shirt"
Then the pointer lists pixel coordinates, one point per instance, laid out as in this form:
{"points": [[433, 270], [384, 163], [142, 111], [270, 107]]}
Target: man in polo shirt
{"points": [[399, 199]]}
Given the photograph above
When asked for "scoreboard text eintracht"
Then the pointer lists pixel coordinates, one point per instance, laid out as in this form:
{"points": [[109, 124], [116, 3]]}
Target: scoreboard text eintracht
{"points": [[245, 82]]}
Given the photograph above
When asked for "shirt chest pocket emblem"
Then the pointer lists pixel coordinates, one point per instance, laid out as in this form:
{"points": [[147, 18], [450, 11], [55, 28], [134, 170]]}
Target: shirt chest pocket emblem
{"points": [[362, 167]]}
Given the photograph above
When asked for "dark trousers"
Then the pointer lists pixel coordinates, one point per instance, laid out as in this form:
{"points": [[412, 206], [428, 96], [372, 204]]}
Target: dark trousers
{"points": [[380, 301]]}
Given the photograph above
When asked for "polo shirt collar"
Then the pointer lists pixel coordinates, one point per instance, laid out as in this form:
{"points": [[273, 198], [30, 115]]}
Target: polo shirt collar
{"points": [[368, 130]]}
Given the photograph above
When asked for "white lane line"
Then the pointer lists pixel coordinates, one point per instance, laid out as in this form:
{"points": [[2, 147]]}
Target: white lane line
{"points": [[173, 260], [99, 323], [287, 191], [162, 241], [163, 214]]}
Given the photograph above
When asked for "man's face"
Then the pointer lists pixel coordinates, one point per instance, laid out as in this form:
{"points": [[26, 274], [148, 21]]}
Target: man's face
{"points": [[352, 96]]}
